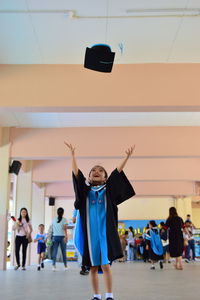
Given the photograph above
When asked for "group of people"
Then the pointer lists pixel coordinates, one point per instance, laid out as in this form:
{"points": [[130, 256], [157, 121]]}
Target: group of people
{"points": [[171, 239], [97, 239], [58, 235]]}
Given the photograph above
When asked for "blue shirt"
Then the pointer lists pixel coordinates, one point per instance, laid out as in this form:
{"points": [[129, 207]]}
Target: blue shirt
{"points": [[58, 228], [43, 236]]}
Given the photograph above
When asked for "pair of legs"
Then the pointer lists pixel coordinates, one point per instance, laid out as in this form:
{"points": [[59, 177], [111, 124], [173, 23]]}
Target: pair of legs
{"points": [[59, 240], [41, 257], [191, 246], [21, 240], [107, 278], [178, 265]]}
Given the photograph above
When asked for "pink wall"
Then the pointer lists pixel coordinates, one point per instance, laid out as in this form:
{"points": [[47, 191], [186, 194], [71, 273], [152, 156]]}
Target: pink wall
{"points": [[147, 86], [150, 141]]}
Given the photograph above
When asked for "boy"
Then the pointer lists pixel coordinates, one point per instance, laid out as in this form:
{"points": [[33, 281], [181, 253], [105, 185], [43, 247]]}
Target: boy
{"points": [[41, 248]]}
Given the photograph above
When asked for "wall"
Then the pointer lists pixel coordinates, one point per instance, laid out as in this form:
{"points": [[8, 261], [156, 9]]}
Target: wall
{"points": [[134, 209], [196, 217], [139, 208]]}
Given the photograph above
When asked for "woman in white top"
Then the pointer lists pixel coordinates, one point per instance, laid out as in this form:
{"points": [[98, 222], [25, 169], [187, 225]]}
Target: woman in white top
{"points": [[59, 228], [23, 230]]}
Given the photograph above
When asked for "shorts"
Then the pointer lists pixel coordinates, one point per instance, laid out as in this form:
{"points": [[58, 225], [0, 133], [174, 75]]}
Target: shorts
{"points": [[41, 248]]}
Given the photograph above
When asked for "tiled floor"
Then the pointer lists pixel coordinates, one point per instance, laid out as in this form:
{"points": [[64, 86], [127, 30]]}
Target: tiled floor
{"points": [[131, 281]]}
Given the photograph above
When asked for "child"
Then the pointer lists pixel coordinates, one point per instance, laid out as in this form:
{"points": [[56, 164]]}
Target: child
{"points": [[41, 247], [97, 202], [154, 245]]}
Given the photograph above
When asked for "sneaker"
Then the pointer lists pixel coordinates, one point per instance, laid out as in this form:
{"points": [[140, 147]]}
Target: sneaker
{"points": [[152, 268], [161, 264], [42, 265], [109, 298], [16, 268], [66, 268], [38, 268], [84, 272], [23, 269], [187, 260], [95, 298], [54, 268]]}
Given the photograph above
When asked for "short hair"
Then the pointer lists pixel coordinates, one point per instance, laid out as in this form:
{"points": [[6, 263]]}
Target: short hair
{"points": [[41, 225]]}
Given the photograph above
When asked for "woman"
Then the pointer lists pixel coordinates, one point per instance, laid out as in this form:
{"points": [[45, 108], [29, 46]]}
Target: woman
{"points": [[59, 228], [154, 245], [176, 244], [132, 248], [23, 230]]}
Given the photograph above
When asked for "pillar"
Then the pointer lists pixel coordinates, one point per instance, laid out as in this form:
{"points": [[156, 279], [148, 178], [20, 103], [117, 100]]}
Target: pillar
{"points": [[184, 207], [38, 215], [24, 195], [4, 193]]}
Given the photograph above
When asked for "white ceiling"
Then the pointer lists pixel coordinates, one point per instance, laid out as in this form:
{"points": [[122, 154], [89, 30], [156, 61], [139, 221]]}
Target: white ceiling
{"points": [[98, 119], [55, 38]]}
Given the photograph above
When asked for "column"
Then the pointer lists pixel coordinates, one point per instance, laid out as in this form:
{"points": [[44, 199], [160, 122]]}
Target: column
{"points": [[24, 195], [38, 215], [4, 193], [184, 206]]}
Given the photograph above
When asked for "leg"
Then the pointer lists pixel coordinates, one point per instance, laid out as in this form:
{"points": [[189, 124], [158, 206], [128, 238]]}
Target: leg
{"points": [[107, 277], [42, 257], [24, 249], [192, 246], [55, 250], [187, 251], [179, 263], [39, 259], [18, 243], [63, 249], [94, 279]]}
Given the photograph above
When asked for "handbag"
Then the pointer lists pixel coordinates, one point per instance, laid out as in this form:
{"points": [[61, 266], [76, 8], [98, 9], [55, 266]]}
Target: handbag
{"points": [[29, 238]]}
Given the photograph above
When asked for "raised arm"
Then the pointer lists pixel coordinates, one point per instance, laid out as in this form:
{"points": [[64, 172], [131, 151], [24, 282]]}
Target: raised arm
{"points": [[128, 154], [74, 163]]}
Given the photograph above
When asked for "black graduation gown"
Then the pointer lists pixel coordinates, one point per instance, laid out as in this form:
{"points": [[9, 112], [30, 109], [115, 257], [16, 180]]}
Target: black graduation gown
{"points": [[176, 245], [118, 189]]}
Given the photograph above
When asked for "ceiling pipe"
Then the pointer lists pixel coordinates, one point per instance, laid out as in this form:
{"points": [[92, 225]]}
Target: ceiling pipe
{"points": [[135, 13]]}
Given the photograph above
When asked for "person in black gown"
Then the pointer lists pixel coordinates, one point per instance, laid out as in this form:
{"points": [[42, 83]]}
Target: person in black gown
{"points": [[176, 244]]}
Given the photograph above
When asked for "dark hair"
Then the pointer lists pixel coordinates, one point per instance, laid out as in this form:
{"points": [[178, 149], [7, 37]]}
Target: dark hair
{"points": [[188, 215], [188, 221], [60, 212], [162, 223], [106, 174], [172, 212], [27, 216], [153, 223], [126, 232], [131, 229], [41, 225]]}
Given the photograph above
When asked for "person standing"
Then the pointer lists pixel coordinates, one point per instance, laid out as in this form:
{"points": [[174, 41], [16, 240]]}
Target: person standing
{"points": [[59, 232], [97, 201], [41, 239], [23, 229], [190, 240], [154, 245], [176, 242]]}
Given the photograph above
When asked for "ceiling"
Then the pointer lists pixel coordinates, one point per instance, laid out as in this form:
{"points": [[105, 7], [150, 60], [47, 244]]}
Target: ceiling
{"points": [[98, 119], [57, 32]]}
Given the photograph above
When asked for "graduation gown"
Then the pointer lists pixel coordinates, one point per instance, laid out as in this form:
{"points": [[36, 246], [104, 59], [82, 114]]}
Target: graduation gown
{"points": [[176, 242], [118, 189]]}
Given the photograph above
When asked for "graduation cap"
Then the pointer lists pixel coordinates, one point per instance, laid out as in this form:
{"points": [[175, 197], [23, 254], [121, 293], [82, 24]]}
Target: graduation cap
{"points": [[99, 58]]}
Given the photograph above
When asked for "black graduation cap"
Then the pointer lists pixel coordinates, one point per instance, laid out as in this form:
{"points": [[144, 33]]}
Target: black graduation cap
{"points": [[99, 58]]}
